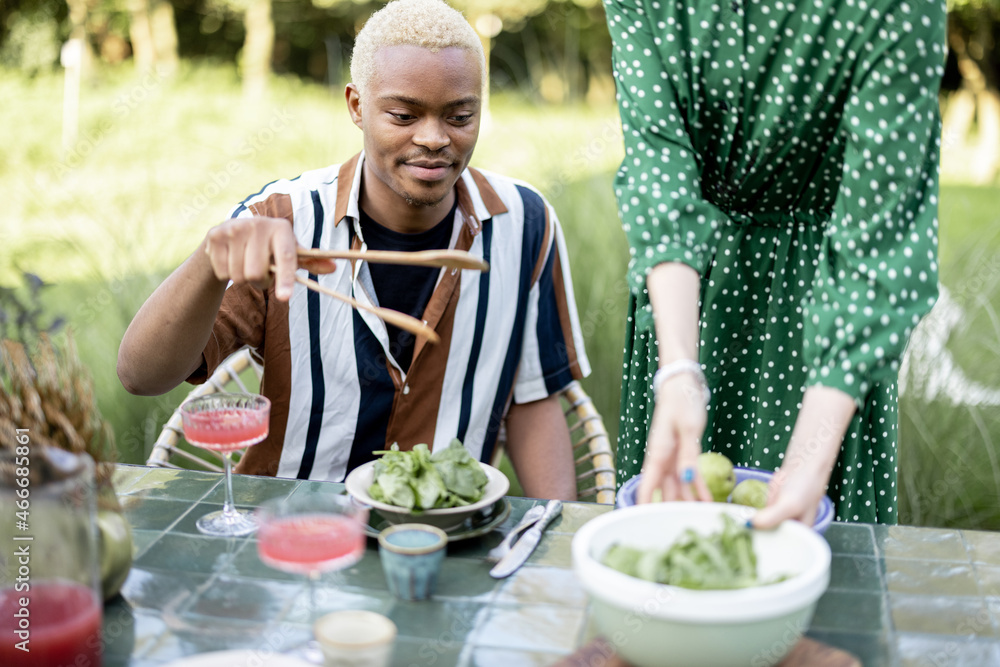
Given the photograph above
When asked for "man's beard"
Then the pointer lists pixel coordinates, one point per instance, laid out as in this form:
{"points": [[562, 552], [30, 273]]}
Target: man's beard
{"points": [[424, 202]]}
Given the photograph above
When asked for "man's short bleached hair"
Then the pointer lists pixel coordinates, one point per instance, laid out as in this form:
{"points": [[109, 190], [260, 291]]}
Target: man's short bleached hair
{"points": [[430, 24]]}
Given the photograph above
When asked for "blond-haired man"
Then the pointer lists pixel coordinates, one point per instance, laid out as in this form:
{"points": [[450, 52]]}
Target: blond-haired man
{"points": [[342, 383]]}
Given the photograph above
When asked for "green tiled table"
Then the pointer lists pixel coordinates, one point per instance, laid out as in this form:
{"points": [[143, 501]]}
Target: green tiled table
{"points": [[898, 596]]}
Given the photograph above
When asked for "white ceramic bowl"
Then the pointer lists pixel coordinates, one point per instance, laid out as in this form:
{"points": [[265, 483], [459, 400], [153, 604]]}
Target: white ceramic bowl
{"points": [[360, 479], [653, 624]]}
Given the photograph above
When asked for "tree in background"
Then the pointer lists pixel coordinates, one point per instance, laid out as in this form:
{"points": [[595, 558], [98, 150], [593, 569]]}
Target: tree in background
{"points": [[545, 50], [548, 49], [153, 34], [258, 46], [972, 34], [488, 16]]}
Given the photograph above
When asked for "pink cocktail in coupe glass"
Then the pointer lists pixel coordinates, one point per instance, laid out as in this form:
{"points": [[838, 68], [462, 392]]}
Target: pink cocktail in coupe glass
{"points": [[224, 423], [310, 534]]}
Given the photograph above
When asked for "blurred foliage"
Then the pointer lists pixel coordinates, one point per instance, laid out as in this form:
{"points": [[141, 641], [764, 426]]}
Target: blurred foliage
{"points": [[973, 5], [32, 40], [547, 49], [949, 446], [23, 318]]}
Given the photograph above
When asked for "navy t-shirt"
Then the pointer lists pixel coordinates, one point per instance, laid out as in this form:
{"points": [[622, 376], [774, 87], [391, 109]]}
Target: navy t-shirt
{"points": [[405, 288]]}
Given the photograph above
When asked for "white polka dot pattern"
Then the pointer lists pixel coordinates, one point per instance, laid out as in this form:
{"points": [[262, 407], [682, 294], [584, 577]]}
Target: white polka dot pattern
{"points": [[788, 152]]}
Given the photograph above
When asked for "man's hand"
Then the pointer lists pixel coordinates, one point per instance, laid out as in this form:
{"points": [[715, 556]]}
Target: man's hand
{"points": [[163, 345], [671, 462], [243, 250]]}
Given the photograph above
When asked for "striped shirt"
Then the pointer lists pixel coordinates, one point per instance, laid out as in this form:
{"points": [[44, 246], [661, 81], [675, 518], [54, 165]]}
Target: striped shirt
{"points": [[510, 334]]}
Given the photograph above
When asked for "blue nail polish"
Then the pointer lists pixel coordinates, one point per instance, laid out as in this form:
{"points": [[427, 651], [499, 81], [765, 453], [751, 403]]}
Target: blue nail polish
{"points": [[688, 475], [749, 523]]}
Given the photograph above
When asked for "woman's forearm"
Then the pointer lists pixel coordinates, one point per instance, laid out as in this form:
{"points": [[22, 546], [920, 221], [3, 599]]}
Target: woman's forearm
{"points": [[804, 474], [674, 292], [819, 431]]}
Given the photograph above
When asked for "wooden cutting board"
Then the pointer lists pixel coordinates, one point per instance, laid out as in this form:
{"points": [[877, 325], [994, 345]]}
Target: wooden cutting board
{"points": [[807, 653]]}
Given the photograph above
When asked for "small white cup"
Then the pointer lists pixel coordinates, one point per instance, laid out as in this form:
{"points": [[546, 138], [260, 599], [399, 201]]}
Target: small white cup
{"points": [[355, 638]]}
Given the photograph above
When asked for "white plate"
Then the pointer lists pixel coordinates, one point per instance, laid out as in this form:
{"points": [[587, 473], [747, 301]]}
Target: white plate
{"points": [[240, 658], [360, 479]]}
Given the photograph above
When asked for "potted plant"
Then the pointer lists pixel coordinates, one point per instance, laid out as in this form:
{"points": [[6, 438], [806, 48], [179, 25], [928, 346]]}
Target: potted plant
{"points": [[46, 389]]}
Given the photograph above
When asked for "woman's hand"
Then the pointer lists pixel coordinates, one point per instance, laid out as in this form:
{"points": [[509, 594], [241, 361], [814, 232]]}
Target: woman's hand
{"points": [[679, 415], [671, 462], [793, 495], [799, 485]]}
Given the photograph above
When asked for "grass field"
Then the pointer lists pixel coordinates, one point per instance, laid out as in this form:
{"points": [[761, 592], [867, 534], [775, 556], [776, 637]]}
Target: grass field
{"points": [[157, 162]]}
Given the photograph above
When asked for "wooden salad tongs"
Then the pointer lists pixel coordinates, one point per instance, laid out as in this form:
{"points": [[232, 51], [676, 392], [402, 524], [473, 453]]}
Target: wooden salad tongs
{"points": [[453, 259], [450, 259]]}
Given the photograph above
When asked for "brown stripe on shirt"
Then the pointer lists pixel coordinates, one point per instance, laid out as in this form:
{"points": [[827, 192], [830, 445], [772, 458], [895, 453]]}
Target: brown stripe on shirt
{"points": [[239, 323], [490, 197], [345, 181], [275, 206], [543, 253], [444, 290], [564, 320], [414, 413], [276, 383]]}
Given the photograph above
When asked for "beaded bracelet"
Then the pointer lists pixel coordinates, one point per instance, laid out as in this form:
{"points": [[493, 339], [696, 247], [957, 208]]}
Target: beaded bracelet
{"points": [[676, 368]]}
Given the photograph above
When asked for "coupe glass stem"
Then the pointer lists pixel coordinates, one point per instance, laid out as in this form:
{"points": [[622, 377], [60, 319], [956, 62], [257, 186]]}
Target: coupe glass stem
{"points": [[313, 576], [228, 508]]}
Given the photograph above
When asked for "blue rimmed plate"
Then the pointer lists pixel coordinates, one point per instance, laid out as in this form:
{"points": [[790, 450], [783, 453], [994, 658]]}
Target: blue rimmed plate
{"points": [[824, 515], [478, 524]]}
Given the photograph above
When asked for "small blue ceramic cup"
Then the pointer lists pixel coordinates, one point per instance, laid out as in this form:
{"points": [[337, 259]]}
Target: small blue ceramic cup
{"points": [[411, 555]]}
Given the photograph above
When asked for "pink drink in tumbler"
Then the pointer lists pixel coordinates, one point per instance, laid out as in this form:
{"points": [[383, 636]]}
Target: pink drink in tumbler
{"points": [[61, 620]]}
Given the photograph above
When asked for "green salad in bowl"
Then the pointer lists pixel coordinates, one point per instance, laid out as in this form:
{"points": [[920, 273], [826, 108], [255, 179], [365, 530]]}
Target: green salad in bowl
{"points": [[420, 480], [722, 560], [441, 488]]}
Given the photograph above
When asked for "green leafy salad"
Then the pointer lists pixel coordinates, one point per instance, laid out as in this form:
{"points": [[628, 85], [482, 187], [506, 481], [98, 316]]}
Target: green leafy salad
{"points": [[419, 480], [723, 560]]}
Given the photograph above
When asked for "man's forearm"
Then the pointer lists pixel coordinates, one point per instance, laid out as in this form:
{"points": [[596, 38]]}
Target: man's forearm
{"points": [[163, 344], [539, 446]]}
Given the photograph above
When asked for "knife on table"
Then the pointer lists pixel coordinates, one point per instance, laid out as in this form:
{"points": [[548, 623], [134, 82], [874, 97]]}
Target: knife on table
{"points": [[523, 547]]}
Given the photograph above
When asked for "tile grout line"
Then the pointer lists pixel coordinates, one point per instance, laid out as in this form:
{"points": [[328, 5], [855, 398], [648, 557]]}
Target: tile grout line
{"points": [[994, 620], [892, 654], [171, 525]]}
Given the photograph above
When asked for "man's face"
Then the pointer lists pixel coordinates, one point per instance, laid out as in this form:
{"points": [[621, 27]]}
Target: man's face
{"points": [[420, 118]]}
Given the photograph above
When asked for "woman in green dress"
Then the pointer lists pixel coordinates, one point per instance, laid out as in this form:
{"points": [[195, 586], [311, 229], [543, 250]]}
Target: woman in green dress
{"points": [[779, 194]]}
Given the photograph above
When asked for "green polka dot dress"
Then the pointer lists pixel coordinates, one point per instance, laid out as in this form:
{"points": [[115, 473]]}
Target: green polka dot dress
{"points": [[788, 152]]}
